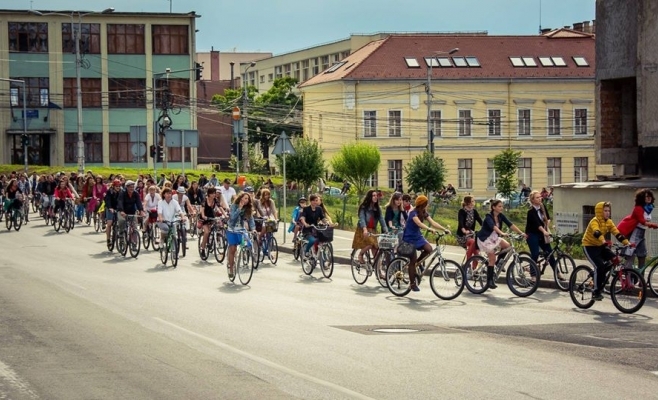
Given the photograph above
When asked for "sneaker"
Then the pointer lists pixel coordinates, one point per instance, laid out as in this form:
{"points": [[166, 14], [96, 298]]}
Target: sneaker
{"points": [[231, 273], [415, 288], [597, 296]]}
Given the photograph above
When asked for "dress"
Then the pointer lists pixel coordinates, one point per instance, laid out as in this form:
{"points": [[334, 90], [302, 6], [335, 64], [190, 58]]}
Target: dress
{"points": [[412, 233]]}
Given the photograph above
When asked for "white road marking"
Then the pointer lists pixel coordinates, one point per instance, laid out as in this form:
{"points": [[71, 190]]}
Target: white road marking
{"points": [[8, 374], [268, 363], [73, 284]]}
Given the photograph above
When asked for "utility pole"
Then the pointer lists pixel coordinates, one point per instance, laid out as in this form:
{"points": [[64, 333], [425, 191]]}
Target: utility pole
{"points": [[245, 137], [24, 137], [428, 89]]}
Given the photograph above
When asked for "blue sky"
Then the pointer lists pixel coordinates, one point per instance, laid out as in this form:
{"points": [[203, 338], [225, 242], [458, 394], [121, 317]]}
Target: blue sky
{"points": [[281, 26]]}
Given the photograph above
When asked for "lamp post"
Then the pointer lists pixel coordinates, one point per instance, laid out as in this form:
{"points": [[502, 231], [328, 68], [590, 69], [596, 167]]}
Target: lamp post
{"points": [[78, 61], [245, 137], [428, 89], [24, 135]]}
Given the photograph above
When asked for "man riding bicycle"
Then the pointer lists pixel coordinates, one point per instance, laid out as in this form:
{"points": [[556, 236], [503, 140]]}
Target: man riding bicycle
{"points": [[111, 203], [151, 201], [168, 209], [128, 203]]}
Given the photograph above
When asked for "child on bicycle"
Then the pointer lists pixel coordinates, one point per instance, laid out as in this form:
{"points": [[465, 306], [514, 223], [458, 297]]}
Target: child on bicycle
{"points": [[596, 248], [295, 226]]}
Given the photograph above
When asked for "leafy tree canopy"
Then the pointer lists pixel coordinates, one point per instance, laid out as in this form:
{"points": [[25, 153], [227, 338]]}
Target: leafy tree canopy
{"points": [[306, 166], [356, 162], [505, 165], [425, 173]]}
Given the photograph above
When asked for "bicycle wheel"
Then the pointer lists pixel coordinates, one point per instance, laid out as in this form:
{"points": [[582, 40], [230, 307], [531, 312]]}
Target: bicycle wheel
{"points": [[236, 261], [581, 286], [564, 266], [146, 240], [182, 243], [296, 248], [97, 223], [245, 266], [18, 222], [653, 280], [523, 277], [67, 223], [381, 265], [220, 247], [272, 250], [46, 217], [326, 258], [308, 264], [203, 253], [34, 205], [9, 220], [134, 243], [173, 250], [632, 291], [255, 253], [57, 222], [447, 279], [110, 244], [164, 254], [476, 274], [122, 243], [397, 277], [262, 250], [155, 237], [360, 272]]}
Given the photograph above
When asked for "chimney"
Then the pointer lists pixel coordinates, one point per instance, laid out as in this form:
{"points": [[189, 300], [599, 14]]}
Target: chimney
{"points": [[578, 26], [545, 31], [586, 27]]}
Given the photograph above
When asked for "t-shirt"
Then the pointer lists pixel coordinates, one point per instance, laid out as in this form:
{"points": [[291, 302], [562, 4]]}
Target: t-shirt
{"points": [[227, 193], [312, 217]]}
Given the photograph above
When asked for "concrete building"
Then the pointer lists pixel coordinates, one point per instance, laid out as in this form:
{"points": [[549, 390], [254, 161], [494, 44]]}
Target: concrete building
{"points": [[530, 93], [217, 64], [121, 51]]}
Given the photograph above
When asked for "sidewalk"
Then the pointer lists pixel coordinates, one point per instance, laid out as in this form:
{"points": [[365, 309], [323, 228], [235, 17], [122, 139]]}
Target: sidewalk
{"points": [[343, 248]]}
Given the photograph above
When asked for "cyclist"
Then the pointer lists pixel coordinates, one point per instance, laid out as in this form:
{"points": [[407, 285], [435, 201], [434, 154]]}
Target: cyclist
{"points": [[111, 200], [241, 214], [168, 209], [98, 194], [311, 215], [48, 192], [187, 208], [195, 194], [151, 201], [128, 203], [13, 196], [596, 249], [412, 234], [210, 208], [467, 216], [266, 209], [537, 230], [634, 226], [227, 191], [26, 189], [295, 226], [62, 192], [395, 214], [370, 214]]}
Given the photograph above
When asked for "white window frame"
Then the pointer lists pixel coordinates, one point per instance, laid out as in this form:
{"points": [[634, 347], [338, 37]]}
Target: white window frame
{"points": [[394, 172], [465, 173], [491, 174], [464, 123], [14, 94], [551, 126], [392, 123], [577, 126], [524, 173], [580, 172], [553, 173], [435, 123], [369, 124], [372, 181], [496, 126], [518, 124]]}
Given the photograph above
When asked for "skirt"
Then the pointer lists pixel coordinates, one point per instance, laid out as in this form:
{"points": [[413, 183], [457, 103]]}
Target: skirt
{"points": [[489, 245], [361, 241]]}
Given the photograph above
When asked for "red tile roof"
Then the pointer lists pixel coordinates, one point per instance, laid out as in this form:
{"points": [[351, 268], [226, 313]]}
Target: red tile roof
{"points": [[386, 61]]}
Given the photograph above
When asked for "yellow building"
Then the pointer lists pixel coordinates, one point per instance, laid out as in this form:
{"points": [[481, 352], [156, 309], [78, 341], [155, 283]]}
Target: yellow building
{"points": [[534, 94]]}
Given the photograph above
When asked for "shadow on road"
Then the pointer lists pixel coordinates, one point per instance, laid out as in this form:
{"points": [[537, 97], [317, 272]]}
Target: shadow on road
{"points": [[118, 258], [310, 279], [368, 291], [205, 264], [424, 305], [614, 317], [160, 268], [229, 287], [104, 254]]}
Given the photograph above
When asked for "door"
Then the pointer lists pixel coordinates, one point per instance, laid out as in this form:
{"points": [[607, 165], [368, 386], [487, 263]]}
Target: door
{"points": [[38, 150]]}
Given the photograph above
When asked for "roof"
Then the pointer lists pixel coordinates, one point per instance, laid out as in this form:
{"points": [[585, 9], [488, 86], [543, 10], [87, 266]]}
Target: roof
{"points": [[385, 59]]}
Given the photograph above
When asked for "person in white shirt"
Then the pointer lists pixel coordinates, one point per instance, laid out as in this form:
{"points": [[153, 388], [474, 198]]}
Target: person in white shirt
{"points": [[228, 193], [151, 201], [168, 209]]}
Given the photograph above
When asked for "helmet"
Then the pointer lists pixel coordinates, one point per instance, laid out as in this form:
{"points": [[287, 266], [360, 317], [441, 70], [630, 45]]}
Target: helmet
{"points": [[301, 199], [116, 182], [249, 189], [130, 183]]}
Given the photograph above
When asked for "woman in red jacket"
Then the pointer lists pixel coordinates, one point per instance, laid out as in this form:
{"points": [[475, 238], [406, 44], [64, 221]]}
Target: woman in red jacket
{"points": [[635, 225], [62, 192]]}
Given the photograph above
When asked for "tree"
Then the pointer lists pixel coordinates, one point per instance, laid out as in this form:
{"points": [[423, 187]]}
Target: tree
{"points": [[357, 162], [425, 173], [256, 161], [306, 166], [505, 165]]}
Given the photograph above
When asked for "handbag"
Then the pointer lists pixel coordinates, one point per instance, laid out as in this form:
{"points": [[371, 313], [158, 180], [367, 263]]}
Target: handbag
{"points": [[406, 249]]}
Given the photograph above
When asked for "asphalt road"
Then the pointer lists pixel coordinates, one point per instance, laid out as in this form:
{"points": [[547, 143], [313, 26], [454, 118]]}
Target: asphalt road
{"points": [[77, 322]]}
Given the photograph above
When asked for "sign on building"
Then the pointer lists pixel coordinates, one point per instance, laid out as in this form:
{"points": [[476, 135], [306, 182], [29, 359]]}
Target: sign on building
{"points": [[567, 222]]}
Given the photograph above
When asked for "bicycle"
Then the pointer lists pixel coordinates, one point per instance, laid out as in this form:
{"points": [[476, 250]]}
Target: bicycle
{"points": [[26, 208], [113, 232], [170, 245], [522, 273], [564, 263], [387, 242], [628, 288], [65, 217], [129, 239], [182, 237], [194, 218], [297, 245], [652, 277], [13, 216], [244, 267], [268, 244], [36, 203], [216, 243], [322, 251], [446, 276]]}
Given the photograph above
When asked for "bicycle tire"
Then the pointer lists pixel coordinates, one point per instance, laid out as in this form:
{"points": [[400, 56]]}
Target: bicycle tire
{"points": [[164, 255], [155, 237], [382, 264], [633, 291], [296, 249], [182, 243], [57, 222], [564, 266], [307, 265], [97, 223], [326, 259], [67, 222], [273, 250], [261, 251], [520, 277], [134, 243], [360, 273], [173, 250], [221, 245], [476, 279], [122, 243], [653, 280], [397, 277], [9, 220], [447, 279], [203, 253], [146, 240], [255, 253], [18, 222], [110, 244], [46, 218], [581, 285], [236, 260], [245, 267]]}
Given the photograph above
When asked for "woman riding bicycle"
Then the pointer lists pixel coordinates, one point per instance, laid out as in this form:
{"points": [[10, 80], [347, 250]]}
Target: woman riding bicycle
{"points": [[241, 214], [151, 201], [62, 192], [467, 216], [395, 216], [370, 214], [634, 226], [266, 209], [210, 208], [14, 196], [537, 229]]}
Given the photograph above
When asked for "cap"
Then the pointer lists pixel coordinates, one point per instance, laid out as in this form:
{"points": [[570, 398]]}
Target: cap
{"points": [[249, 189], [421, 201], [130, 183], [116, 182], [180, 189]]}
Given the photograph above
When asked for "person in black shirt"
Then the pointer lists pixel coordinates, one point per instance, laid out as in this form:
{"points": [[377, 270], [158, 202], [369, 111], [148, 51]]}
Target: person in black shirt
{"points": [[128, 203], [311, 215], [536, 228]]}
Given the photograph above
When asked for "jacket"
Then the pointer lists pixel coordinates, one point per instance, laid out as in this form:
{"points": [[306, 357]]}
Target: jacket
{"points": [[129, 204], [237, 219], [366, 214], [599, 227], [631, 221]]}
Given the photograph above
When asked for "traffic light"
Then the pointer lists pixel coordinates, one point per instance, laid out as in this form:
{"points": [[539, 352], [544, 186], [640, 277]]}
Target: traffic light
{"points": [[199, 70], [160, 154], [25, 140], [152, 151]]}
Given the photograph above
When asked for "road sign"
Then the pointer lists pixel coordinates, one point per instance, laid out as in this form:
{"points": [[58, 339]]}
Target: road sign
{"points": [[138, 149], [138, 133], [283, 145], [32, 114], [236, 113], [190, 138]]}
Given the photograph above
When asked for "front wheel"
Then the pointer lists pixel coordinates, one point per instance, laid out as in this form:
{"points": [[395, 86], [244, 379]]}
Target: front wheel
{"points": [[326, 259], [220, 247], [244, 266], [296, 248], [173, 250], [146, 240], [653, 280], [360, 272], [18, 221], [134, 243], [581, 286], [203, 253], [307, 262], [397, 277], [631, 293], [475, 269], [523, 277], [9, 219], [447, 279], [272, 250], [564, 266], [164, 254], [155, 237], [255, 252], [122, 243]]}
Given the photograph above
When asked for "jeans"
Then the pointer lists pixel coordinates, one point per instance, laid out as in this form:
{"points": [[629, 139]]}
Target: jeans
{"points": [[536, 242], [79, 211], [311, 241]]}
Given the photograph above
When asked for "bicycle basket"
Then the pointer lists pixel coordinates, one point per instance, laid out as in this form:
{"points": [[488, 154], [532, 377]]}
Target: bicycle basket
{"points": [[325, 235], [271, 226], [387, 241], [406, 249]]}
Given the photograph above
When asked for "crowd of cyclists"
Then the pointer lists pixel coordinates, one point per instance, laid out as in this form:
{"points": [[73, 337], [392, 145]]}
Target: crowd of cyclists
{"points": [[206, 206]]}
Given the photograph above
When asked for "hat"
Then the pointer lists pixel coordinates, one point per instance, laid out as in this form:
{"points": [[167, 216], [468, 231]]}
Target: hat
{"points": [[130, 183], [116, 182], [421, 201], [249, 189], [180, 189]]}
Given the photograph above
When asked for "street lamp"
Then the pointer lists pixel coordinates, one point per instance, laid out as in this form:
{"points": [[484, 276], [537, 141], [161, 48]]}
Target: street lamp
{"points": [[245, 137], [430, 61], [24, 135], [78, 61]]}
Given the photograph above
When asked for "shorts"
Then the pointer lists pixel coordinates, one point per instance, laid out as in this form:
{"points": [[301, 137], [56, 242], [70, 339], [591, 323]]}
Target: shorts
{"points": [[233, 238], [637, 237], [109, 216]]}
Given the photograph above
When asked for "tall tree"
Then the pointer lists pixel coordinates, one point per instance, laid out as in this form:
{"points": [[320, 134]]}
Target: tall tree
{"points": [[505, 166], [356, 162], [425, 173], [306, 166]]}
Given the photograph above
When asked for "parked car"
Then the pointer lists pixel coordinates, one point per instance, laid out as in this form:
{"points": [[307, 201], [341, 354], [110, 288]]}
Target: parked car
{"points": [[332, 191], [515, 202]]}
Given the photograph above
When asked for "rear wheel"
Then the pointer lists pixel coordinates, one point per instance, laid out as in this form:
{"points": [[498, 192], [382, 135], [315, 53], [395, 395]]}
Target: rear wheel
{"points": [[146, 240], [653, 280], [564, 266], [9, 220], [475, 271], [397, 277], [296, 248], [360, 272], [272, 250], [381, 266], [245, 268], [523, 277], [255, 253], [134, 243], [581, 286], [122, 243], [447, 279], [182, 243], [632, 291]]}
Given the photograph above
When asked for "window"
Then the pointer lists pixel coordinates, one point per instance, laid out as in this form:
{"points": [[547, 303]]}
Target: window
{"points": [[494, 122], [394, 172], [554, 171], [524, 122], [178, 92], [372, 181], [517, 61], [91, 92], [412, 62], [553, 121], [28, 37], [174, 154], [125, 39], [395, 123], [170, 39], [524, 170], [580, 121], [335, 57], [472, 62], [465, 122], [459, 62], [435, 122], [325, 62], [529, 61], [491, 174], [370, 123], [559, 61], [270, 77], [93, 147], [546, 61], [345, 54], [127, 93], [120, 147], [444, 62], [278, 72], [335, 67], [37, 92], [432, 61], [465, 173], [13, 95], [580, 169], [90, 38], [262, 79], [580, 61], [523, 61], [287, 69]]}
